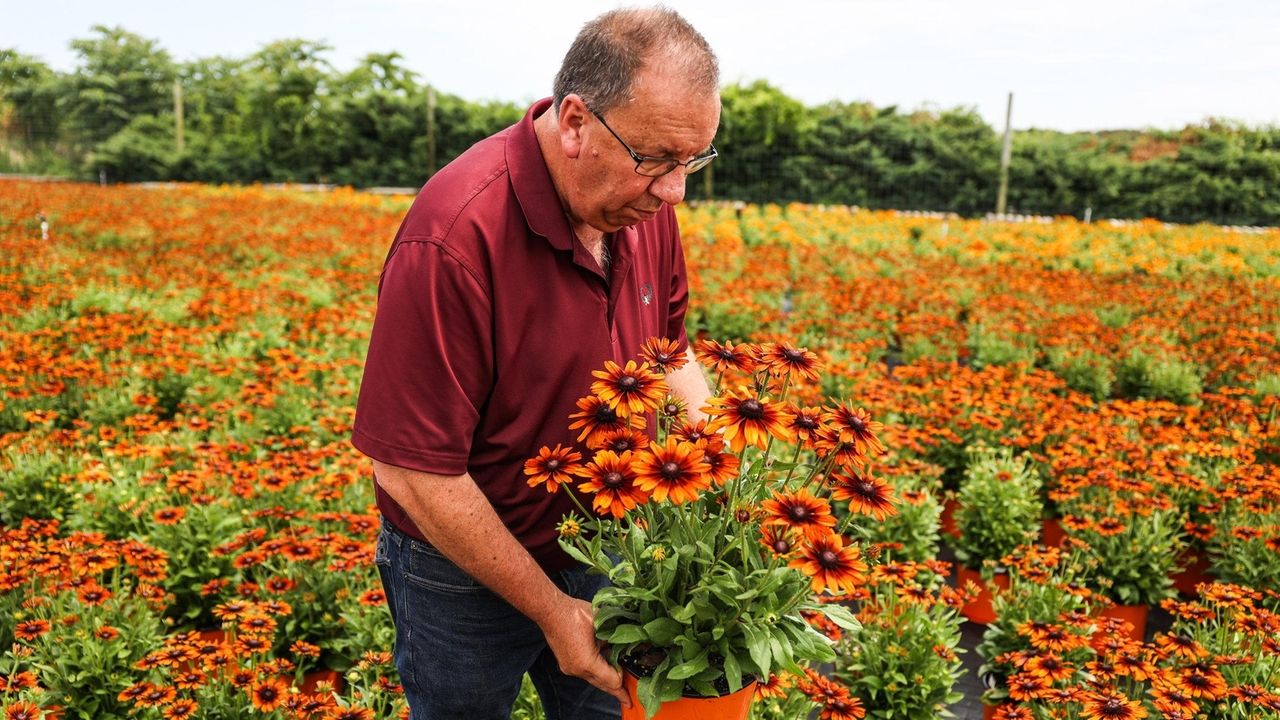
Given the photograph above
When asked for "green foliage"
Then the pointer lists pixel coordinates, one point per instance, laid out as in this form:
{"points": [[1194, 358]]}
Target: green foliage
{"points": [[990, 348], [1140, 374], [999, 505], [1085, 372], [34, 486], [1044, 586], [1135, 558], [911, 533], [902, 661], [1245, 551], [81, 671]]}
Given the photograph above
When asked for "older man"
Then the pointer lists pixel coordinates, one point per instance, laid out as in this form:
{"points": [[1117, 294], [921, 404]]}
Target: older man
{"points": [[523, 265]]}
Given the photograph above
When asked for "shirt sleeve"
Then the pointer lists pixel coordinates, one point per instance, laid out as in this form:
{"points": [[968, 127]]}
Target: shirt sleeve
{"points": [[429, 369]]}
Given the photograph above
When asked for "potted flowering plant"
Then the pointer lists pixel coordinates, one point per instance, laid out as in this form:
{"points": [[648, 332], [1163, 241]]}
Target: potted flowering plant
{"points": [[999, 510], [717, 535]]}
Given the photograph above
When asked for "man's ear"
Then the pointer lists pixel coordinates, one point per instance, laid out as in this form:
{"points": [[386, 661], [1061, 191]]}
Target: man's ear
{"points": [[570, 122]]}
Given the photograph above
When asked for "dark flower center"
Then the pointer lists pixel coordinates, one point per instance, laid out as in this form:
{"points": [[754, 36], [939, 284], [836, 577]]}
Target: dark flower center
{"points": [[742, 515], [782, 547], [628, 383], [612, 480], [751, 409], [620, 445], [799, 513], [606, 416], [793, 355], [804, 422], [670, 469], [855, 423], [553, 465], [828, 559]]}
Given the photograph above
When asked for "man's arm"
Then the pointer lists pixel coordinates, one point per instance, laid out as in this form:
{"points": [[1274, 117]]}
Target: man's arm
{"points": [[457, 518], [690, 385]]}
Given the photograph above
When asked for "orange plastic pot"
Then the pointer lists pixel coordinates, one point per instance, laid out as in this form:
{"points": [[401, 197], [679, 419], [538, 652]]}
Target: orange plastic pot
{"points": [[311, 681], [989, 711], [947, 520], [1195, 572], [735, 706], [1136, 615], [980, 609], [1051, 533]]}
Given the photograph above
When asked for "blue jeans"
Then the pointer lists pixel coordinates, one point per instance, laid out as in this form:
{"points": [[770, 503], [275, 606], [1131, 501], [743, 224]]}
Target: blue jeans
{"points": [[462, 650]]}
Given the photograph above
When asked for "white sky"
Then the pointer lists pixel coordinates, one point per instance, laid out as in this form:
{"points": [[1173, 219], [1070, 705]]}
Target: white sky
{"points": [[1072, 65]]}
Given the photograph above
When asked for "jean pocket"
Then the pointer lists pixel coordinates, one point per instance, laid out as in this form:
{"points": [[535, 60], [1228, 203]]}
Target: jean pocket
{"points": [[429, 569]]}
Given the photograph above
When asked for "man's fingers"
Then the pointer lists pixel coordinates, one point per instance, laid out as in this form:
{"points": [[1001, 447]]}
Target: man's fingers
{"points": [[609, 679]]}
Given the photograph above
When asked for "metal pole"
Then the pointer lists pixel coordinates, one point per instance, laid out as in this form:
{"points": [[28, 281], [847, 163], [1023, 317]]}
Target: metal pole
{"points": [[177, 115], [1005, 152]]}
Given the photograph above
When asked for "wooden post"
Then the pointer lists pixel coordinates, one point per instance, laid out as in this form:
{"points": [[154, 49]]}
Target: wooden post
{"points": [[178, 124], [431, 131], [1005, 152]]}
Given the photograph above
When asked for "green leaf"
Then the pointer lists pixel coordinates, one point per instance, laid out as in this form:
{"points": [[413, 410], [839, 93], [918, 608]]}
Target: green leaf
{"points": [[758, 648], [689, 668], [626, 635], [662, 630]]}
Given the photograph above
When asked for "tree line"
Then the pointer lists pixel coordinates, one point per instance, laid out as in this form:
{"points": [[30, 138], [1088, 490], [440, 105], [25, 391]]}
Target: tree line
{"points": [[285, 114]]}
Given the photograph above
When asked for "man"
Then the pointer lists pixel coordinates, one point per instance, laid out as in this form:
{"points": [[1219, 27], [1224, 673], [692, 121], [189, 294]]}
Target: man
{"points": [[522, 266]]}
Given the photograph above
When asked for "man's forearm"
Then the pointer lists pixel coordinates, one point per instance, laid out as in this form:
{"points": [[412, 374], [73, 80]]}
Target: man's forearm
{"points": [[457, 518], [689, 385], [459, 521]]}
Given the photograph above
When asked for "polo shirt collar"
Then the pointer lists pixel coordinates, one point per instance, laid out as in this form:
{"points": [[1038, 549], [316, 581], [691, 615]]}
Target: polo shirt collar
{"points": [[531, 182]]}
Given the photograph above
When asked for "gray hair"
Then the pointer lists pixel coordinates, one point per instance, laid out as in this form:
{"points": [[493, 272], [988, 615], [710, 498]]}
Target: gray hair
{"points": [[602, 63]]}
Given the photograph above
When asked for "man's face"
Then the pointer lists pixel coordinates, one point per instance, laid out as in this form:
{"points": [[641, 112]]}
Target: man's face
{"points": [[662, 119]]}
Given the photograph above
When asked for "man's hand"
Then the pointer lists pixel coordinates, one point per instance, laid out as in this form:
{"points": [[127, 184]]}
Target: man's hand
{"points": [[571, 635]]}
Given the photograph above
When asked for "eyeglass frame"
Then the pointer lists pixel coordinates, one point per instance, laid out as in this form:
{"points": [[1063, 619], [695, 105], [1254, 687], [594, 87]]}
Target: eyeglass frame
{"points": [[701, 160]]}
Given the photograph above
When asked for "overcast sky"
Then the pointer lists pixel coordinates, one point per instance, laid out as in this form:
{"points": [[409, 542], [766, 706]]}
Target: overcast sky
{"points": [[1077, 65]]}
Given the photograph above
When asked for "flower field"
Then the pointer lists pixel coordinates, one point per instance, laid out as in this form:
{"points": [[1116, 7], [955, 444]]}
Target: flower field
{"points": [[185, 531]]}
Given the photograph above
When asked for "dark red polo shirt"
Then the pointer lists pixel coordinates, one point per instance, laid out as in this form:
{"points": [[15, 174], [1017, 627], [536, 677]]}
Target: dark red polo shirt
{"points": [[491, 316]]}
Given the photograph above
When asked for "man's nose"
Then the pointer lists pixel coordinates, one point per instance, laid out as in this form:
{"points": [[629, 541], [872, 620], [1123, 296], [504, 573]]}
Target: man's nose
{"points": [[670, 187]]}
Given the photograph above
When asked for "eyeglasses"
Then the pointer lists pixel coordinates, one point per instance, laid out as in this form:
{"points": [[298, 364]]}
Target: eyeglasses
{"points": [[659, 166]]}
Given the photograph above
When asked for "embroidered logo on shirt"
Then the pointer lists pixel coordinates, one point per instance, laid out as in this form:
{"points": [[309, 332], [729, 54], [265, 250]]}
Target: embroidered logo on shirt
{"points": [[646, 293]]}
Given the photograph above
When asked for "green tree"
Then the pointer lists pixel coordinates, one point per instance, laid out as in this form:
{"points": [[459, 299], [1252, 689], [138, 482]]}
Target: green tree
{"points": [[121, 76]]}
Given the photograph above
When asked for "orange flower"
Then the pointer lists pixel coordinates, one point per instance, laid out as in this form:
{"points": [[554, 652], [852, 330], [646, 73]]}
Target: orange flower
{"points": [[663, 355], [622, 440], [1050, 668], [747, 420], [723, 357], [786, 359], [23, 710], [833, 566], [676, 470], [722, 466], [856, 427], [31, 629], [1110, 705], [552, 467], [775, 687], [630, 390], [802, 511], [612, 479], [596, 418], [781, 540], [170, 515], [181, 709], [865, 494], [267, 693]]}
